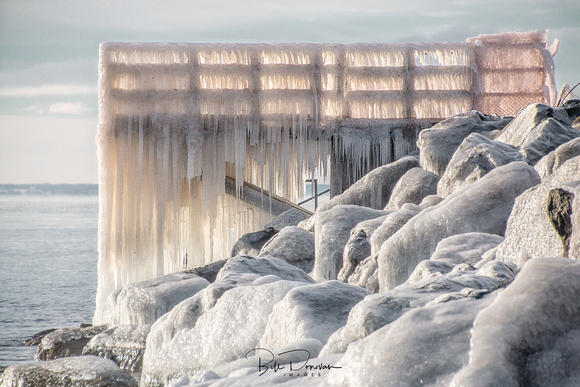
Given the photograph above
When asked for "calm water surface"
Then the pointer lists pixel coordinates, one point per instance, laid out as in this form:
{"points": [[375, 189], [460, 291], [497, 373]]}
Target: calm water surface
{"points": [[48, 268]]}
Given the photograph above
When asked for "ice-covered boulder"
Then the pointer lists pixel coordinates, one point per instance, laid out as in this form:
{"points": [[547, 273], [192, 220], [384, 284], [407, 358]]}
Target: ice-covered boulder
{"points": [[66, 342], [288, 218], [245, 268], [483, 206], [438, 143], [144, 302], [357, 249], [225, 333], [390, 226], [529, 231], [294, 245], [431, 282], [522, 337], [374, 189], [425, 346], [537, 130], [332, 232], [209, 271], [310, 312], [89, 371], [476, 156], [413, 187], [465, 248], [124, 345], [553, 160]]}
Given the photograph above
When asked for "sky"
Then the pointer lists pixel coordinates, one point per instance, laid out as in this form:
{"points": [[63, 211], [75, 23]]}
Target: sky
{"points": [[49, 54]]}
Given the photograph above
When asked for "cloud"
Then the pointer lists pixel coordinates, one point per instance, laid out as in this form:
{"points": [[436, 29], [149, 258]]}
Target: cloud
{"points": [[33, 109], [69, 108], [47, 89]]}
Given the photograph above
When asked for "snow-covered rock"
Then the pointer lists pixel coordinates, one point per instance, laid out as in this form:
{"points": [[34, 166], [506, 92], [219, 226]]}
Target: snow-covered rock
{"points": [[294, 245], [529, 231], [431, 282], [553, 160], [465, 248], [520, 338], [413, 187], [438, 143], [144, 302], [252, 242], [483, 206], [476, 156], [425, 346], [209, 271], [89, 371], [66, 342], [124, 345], [374, 189], [225, 333], [332, 232], [310, 312], [389, 227], [357, 249], [245, 268], [537, 130], [288, 218]]}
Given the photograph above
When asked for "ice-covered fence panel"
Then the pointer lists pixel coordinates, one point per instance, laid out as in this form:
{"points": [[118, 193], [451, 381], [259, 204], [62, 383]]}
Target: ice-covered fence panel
{"points": [[178, 120]]}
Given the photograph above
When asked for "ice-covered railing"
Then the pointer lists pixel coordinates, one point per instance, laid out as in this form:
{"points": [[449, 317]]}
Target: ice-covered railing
{"points": [[177, 119]]}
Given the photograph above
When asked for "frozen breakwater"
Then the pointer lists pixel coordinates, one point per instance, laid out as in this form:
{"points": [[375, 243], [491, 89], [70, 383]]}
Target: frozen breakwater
{"points": [[473, 282]]}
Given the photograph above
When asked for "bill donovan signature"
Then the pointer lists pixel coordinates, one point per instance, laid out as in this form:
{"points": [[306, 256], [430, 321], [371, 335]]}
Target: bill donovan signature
{"points": [[267, 362]]}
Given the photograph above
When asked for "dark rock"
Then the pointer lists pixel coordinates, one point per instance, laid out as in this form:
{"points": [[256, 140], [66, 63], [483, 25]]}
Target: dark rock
{"points": [[251, 243], [208, 272], [86, 371], [288, 218], [66, 342], [124, 345], [35, 340], [559, 210]]}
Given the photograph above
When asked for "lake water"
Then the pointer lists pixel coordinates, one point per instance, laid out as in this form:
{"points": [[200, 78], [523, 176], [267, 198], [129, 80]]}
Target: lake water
{"points": [[48, 268]]}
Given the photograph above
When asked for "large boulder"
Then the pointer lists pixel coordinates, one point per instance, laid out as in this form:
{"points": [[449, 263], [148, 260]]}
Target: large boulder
{"points": [[465, 248], [529, 230], [530, 334], [66, 342], [310, 312], [246, 268], [437, 285], [144, 302], [475, 157], [390, 226], [538, 130], [553, 160], [225, 333], [438, 143], [483, 206], [374, 189], [332, 232], [124, 345], [413, 187], [294, 245], [89, 371]]}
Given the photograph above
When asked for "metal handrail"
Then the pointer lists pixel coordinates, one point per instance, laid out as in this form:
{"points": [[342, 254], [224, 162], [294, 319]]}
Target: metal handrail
{"points": [[315, 193]]}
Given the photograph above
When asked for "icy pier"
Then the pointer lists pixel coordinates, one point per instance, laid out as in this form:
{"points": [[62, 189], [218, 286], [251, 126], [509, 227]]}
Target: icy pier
{"points": [[178, 120]]}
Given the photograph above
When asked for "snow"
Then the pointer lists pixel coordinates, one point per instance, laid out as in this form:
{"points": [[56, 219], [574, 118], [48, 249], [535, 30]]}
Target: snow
{"points": [[483, 206], [465, 248], [245, 268], [413, 187], [332, 232], [223, 334], [144, 302], [310, 312], [294, 245], [476, 156], [528, 321], [553, 160]]}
